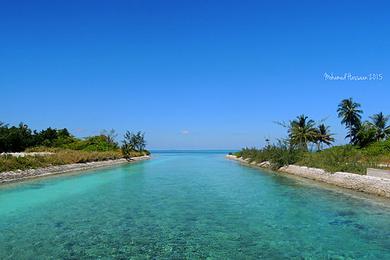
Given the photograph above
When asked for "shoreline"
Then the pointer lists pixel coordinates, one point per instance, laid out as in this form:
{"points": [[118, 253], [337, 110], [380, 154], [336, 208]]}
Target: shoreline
{"points": [[18, 176], [363, 183]]}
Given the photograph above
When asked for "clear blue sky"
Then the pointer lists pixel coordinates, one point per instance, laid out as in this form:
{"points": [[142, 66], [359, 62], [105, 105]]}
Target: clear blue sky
{"points": [[191, 74]]}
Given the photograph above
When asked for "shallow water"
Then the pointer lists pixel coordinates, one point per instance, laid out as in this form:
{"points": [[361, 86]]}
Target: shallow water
{"points": [[189, 205]]}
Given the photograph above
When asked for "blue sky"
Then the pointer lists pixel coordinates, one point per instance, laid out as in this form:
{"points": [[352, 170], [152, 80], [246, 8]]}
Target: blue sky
{"points": [[191, 74]]}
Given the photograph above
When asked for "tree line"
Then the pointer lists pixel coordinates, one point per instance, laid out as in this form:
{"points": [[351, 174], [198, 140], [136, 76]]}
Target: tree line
{"points": [[369, 143], [19, 138], [302, 131], [362, 133]]}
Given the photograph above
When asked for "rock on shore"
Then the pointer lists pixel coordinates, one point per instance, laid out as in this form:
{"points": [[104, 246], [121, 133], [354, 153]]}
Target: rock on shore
{"points": [[60, 169], [369, 184], [265, 164], [24, 154]]}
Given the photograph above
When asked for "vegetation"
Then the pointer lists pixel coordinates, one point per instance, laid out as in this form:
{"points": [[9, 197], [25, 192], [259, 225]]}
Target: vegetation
{"points": [[369, 143], [65, 147], [350, 115], [134, 145], [345, 158], [302, 131], [17, 139], [379, 122], [323, 136], [283, 153], [59, 157]]}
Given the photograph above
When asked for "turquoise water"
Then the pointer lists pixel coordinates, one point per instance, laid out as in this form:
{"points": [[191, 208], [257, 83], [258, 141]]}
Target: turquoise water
{"points": [[189, 205]]}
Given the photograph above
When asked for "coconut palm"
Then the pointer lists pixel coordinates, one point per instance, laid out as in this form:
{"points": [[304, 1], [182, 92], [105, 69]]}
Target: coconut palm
{"points": [[302, 131], [350, 113], [354, 135], [365, 135], [379, 121], [323, 136]]}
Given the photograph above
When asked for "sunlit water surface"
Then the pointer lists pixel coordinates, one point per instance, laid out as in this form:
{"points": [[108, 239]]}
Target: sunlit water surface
{"points": [[189, 205]]}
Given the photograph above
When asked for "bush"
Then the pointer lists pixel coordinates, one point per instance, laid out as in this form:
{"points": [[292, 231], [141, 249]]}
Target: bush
{"points": [[98, 143], [278, 155], [60, 157], [283, 155], [346, 158], [378, 148], [134, 145], [18, 138], [15, 139]]}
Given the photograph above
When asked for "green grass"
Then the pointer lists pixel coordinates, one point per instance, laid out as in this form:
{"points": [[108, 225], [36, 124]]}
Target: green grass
{"points": [[345, 158], [339, 158], [381, 149], [60, 157], [348, 158]]}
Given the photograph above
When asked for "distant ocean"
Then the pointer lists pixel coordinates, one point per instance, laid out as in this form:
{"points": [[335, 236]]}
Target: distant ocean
{"points": [[195, 151]]}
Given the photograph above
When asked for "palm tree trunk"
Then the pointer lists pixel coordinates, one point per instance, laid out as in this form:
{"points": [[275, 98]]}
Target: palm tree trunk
{"points": [[350, 137]]}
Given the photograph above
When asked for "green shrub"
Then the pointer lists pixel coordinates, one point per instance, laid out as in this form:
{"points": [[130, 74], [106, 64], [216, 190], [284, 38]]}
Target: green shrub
{"points": [[134, 145], [94, 143], [377, 148], [278, 155], [60, 157], [284, 155], [346, 158]]}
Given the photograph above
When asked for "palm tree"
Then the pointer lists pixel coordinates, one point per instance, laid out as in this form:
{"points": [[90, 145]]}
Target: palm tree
{"points": [[302, 131], [365, 135], [354, 135], [379, 121], [323, 136], [350, 113]]}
